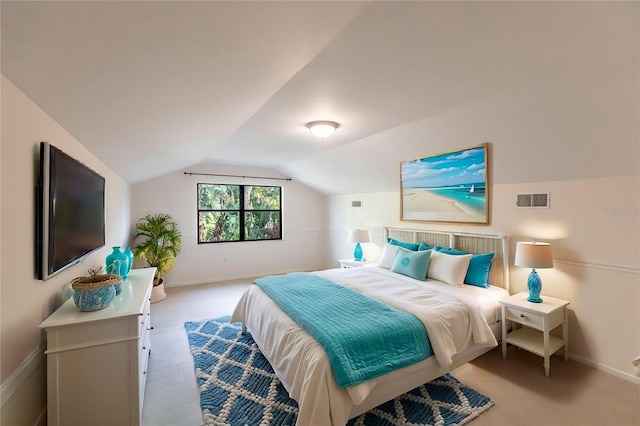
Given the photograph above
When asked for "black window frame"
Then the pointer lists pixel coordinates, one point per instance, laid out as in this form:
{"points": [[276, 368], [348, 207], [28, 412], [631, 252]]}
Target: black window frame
{"points": [[241, 211]]}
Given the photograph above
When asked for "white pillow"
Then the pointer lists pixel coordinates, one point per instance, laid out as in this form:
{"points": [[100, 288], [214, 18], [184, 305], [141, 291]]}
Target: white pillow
{"points": [[388, 255], [448, 268]]}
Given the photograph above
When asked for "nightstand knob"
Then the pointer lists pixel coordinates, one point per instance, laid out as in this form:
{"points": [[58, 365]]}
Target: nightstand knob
{"points": [[521, 315]]}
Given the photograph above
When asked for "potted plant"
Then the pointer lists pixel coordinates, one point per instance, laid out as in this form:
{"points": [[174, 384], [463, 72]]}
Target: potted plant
{"points": [[160, 247]]}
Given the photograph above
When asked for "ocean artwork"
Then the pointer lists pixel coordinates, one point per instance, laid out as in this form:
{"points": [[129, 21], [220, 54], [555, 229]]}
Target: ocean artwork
{"points": [[449, 187]]}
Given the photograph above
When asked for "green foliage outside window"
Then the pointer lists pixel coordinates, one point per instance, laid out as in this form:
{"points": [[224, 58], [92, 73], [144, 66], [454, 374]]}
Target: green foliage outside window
{"points": [[238, 213]]}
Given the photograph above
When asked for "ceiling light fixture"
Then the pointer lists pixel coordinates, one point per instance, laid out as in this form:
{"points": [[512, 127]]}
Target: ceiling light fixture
{"points": [[322, 129]]}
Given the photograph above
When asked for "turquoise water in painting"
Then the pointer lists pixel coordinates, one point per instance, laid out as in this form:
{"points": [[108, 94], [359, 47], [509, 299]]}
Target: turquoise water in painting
{"points": [[475, 201]]}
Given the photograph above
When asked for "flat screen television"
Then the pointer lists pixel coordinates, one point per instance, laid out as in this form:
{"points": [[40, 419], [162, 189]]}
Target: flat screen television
{"points": [[70, 212]]}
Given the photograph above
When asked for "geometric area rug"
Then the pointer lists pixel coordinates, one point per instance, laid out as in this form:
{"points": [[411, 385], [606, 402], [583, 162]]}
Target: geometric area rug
{"points": [[238, 387]]}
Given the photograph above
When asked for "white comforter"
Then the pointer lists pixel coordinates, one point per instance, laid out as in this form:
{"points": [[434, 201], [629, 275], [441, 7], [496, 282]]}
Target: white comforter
{"points": [[453, 320]]}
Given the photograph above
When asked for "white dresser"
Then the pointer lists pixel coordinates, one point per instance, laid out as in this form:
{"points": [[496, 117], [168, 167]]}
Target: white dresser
{"points": [[97, 361]]}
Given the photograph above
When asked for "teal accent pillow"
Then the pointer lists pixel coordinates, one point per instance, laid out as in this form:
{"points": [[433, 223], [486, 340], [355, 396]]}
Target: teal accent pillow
{"points": [[450, 250], [413, 264], [408, 246], [424, 246], [479, 266]]}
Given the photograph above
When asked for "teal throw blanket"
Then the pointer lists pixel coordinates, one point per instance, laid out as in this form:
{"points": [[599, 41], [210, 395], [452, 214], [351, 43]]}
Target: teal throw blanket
{"points": [[364, 338]]}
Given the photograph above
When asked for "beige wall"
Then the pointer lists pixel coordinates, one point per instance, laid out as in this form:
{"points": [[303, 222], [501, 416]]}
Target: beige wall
{"points": [[581, 136], [596, 254], [25, 301], [303, 246]]}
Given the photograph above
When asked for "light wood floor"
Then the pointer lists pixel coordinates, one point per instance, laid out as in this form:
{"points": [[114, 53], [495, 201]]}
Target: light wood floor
{"points": [[574, 394]]}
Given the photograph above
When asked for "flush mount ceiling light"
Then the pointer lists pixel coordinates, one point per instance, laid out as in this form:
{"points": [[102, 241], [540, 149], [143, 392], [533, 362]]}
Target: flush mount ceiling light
{"points": [[322, 129]]}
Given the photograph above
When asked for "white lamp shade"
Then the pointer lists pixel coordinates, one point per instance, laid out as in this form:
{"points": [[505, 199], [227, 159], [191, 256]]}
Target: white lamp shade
{"points": [[359, 236], [533, 255], [322, 129]]}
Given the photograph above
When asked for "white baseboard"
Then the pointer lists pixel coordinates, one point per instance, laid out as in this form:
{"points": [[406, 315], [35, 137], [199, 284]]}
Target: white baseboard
{"points": [[614, 372], [230, 278], [20, 375]]}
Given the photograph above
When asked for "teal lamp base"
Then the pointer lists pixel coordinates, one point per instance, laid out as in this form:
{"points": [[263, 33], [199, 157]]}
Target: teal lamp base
{"points": [[535, 286], [357, 253]]}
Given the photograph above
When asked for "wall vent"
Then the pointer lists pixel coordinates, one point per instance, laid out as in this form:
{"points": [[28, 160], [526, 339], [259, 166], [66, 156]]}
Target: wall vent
{"points": [[356, 203], [540, 200]]}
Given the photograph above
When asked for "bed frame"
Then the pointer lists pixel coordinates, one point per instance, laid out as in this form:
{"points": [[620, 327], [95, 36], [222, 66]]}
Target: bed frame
{"points": [[411, 376], [472, 243]]}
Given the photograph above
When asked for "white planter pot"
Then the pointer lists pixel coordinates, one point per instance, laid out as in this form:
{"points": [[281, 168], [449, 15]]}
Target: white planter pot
{"points": [[157, 293]]}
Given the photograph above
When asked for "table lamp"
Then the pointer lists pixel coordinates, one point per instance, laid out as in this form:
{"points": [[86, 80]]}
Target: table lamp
{"points": [[534, 255], [358, 236]]}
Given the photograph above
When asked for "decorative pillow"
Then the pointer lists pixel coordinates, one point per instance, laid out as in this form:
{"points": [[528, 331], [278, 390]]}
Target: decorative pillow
{"points": [[450, 250], [479, 266], [424, 246], [408, 246], [479, 269], [448, 268], [413, 264], [388, 255]]}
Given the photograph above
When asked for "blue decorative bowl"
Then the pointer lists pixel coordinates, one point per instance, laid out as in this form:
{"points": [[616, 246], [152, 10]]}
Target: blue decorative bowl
{"points": [[93, 300], [95, 292]]}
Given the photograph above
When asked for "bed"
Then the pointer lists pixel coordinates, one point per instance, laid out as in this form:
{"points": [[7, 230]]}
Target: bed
{"points": [[462, 323]]}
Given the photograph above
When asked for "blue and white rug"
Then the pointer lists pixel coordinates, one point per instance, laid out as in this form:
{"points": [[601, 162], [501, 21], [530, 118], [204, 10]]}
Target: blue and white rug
{"points": [[238, 387]]}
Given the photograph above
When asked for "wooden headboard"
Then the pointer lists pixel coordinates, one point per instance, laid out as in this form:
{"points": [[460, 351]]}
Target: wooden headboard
{"points": [[469, 242]]}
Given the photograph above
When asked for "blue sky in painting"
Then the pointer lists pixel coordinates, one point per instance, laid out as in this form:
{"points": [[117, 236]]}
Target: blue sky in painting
{"points": [[462, 167]]}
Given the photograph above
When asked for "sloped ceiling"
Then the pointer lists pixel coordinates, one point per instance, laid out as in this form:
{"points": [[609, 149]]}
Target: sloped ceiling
{"points": [[155, 87]]}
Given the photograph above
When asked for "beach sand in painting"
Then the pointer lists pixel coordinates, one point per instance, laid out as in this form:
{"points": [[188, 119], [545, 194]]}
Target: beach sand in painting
{"points": [[420, 204]]}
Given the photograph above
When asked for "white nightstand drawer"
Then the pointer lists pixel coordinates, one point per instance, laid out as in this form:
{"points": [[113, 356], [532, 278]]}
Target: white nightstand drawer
{"points": [[352, 263], [525, 318]]}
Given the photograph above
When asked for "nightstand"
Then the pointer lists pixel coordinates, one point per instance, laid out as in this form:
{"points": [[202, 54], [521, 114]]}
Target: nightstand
{"points": [[537, 320], [352, 263]]}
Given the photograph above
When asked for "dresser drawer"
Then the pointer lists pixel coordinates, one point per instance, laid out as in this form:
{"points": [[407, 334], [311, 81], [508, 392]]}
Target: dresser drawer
{"points": [[144, 327], [143, 365], [143, 360], [144, 322], [525, 318]]}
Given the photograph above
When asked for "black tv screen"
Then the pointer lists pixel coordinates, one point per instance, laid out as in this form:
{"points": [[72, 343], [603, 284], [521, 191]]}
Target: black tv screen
{"points": [[70, 222]]}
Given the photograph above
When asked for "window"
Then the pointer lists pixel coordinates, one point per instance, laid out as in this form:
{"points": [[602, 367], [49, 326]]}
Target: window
{"points": [[239, 213]]}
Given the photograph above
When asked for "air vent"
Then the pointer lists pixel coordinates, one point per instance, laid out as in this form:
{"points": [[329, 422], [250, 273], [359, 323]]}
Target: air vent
{"points": [[356, 203], [533, 200]]}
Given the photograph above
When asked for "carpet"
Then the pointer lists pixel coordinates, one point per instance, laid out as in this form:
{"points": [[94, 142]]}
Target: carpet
{"points": [[238, 387]]}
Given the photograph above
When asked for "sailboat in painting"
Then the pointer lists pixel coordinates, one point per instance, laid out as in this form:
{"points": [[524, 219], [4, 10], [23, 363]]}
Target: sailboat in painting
{"points": [[473, 189]]}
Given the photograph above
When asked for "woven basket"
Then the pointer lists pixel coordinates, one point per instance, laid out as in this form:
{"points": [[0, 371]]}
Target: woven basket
{"points": [[96, 281]]}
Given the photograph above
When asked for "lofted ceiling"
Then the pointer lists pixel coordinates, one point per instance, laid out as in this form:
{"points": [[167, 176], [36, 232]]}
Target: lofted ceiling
{"points": [[156, 87]]}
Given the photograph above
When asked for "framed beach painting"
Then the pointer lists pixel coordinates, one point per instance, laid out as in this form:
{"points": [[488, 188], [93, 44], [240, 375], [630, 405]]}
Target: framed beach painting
{"points": [[449, 187]]}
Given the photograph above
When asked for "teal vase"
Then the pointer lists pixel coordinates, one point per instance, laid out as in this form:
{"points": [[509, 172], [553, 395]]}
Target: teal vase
{"points": [[118, 263], [129, 254]]}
